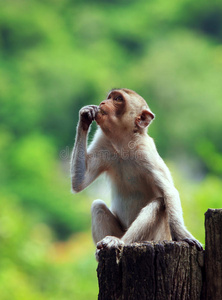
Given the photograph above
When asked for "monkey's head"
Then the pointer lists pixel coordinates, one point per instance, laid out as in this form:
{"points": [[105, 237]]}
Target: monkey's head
{"points": [[124, 111]]}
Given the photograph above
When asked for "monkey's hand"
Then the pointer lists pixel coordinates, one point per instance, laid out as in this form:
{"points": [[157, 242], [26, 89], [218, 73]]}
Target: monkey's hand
{"points": [[194, 242], [109, 242], [86, 115]]}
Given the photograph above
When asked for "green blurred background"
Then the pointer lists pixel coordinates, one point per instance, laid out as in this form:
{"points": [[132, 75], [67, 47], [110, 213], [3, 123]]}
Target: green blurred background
{"points": [[59, 55]]}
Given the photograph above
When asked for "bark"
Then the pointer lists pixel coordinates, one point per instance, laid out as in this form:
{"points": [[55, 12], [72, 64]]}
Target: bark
{"points": [[166, 270], [213, 255]]}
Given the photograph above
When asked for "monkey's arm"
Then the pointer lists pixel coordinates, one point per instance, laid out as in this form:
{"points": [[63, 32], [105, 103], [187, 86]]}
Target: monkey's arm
{"points": [[150, 224], [173, 208], [156, 169], [85, 165]]}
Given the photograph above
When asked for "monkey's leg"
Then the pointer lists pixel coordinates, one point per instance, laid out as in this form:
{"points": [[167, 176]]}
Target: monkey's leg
{"points": [[151, 224], [104, 222]]}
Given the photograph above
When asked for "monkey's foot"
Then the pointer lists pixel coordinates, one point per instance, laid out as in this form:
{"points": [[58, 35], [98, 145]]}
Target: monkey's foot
{"points": [[194, 242], [109, 242]]}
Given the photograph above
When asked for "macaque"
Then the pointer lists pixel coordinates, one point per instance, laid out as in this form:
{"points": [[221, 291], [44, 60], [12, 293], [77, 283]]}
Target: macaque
{"points": [[145, 204]]}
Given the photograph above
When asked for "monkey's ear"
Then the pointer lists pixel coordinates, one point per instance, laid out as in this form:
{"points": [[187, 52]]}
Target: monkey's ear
{"points": [[144, 119]]}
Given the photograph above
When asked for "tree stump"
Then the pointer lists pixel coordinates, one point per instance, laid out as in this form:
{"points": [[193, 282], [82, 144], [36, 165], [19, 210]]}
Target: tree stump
{"points": [[149, 270], [165, 270], [213, 256]]}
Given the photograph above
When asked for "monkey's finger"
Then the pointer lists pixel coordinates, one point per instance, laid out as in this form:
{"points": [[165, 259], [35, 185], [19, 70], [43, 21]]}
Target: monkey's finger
{"points": [[84, 113], [99, 245], [199, 246], [193, 242], [189, 241], [94, 112], [90, 115]]}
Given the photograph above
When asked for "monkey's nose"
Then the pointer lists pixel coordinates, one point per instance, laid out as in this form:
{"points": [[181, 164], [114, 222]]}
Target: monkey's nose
{"points": [[103, 102]]}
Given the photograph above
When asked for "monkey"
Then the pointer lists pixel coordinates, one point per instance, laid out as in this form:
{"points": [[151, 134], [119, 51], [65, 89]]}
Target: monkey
{"points": [[145, 204]]}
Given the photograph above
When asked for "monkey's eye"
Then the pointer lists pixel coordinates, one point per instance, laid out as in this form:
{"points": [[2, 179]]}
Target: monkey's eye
{"points": [[118, 98]]}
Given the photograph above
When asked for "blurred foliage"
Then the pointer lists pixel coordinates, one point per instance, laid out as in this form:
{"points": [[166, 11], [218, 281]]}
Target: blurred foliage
{"points": [[57, 56]]}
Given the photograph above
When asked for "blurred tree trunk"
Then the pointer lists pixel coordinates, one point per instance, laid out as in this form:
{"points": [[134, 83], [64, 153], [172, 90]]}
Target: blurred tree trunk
{"points": [[213, 255]]}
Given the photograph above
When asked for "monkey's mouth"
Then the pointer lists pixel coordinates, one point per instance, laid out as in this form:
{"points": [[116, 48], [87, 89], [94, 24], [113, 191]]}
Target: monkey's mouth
{"points": [[102, 111]]}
